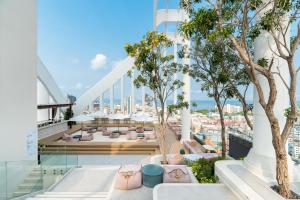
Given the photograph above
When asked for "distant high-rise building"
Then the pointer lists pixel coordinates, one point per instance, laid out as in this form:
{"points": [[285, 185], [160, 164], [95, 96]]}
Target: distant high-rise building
{"points": [[228, 108], [295, 134]]}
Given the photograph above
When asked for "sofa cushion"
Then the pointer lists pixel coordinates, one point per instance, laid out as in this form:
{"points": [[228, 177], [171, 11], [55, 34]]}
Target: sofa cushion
{"points": [[176, 174], [128, 177]]}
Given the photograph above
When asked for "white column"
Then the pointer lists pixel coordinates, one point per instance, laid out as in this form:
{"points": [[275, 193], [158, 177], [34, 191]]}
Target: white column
{"points": [[186, 113], [175, 75], [122, 93], [143, 98], [101, 107], [42, 98], [111, 99], [18, 80], [132, 93], [261, 158]]}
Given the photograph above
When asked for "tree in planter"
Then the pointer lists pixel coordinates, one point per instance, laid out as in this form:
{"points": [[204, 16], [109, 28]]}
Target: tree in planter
{"points": [[156, 71], [239, 23], [214, 74]]}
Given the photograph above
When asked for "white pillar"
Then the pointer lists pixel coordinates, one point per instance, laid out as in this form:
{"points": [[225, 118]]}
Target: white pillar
{"points": [[18, 80], [101, 107], [132, 93], [175, 75], [111, 99], [143, 98], [122, 93], [186, 113], [261, 158], [42, 98]]}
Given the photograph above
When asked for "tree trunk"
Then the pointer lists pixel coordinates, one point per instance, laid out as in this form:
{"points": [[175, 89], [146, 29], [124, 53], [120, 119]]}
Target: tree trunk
{"points": [[163, 131], [245, 112], [282, 175], [245, 109], [223, 128]]}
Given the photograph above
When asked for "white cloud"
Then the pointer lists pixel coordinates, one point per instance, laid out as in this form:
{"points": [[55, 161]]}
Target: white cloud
{"points": [[78, 86], [99, 61]]}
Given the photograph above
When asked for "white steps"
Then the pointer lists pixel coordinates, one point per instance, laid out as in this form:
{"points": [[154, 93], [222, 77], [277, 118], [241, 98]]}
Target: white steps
{"points": [[30, 183], [70, 196]]}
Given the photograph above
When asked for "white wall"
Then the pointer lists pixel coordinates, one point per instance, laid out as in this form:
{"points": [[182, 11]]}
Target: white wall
{"points": [[18, 86]]}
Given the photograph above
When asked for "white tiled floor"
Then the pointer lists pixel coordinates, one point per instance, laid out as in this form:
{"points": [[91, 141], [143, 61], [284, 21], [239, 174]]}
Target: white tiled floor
{"points": [[91, 179], [112, 159]]}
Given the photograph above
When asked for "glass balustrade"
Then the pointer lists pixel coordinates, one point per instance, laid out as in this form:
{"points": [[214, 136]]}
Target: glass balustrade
{"points": [[2, 181], [19, 178]]}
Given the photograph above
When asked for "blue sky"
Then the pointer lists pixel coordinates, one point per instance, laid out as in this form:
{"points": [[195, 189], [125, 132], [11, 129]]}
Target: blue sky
{"points": [[79, 41]]}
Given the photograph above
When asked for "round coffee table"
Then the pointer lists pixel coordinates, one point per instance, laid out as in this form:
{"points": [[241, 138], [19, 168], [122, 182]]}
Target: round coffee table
{"points": [[152, 175]]}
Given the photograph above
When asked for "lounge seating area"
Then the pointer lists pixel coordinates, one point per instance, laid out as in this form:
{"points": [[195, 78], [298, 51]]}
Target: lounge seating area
{"points": [[135, 176], [91, 133], [140, 181]]}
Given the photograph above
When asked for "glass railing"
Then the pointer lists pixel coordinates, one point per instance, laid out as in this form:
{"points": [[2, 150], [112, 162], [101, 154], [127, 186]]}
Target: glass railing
{"points": [[19, 178], [2, 181]]}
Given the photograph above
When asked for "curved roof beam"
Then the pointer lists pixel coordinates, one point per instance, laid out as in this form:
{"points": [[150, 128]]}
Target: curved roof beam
{"points": [[47, 80], [104, 84], [170, 15]]}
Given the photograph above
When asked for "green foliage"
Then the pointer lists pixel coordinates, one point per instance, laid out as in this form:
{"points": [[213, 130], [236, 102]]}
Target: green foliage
{"points": [[179, 105], [254, 32], [203, 111], [238, 23], [41, 147], [204, 170], [68, 114], [263, 62], [253, 4], [156, 69], [287, 112]]}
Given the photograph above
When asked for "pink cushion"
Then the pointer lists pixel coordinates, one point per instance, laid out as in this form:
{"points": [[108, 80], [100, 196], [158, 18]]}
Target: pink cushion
{"points": [[140, 130], [131, 136], [150, 135], [129, 177], [114, 135], [123, 132], [176, 174], [131, 128], [101, 129], [106, 133], [66, 137], [87, 137], [93, 130]]}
